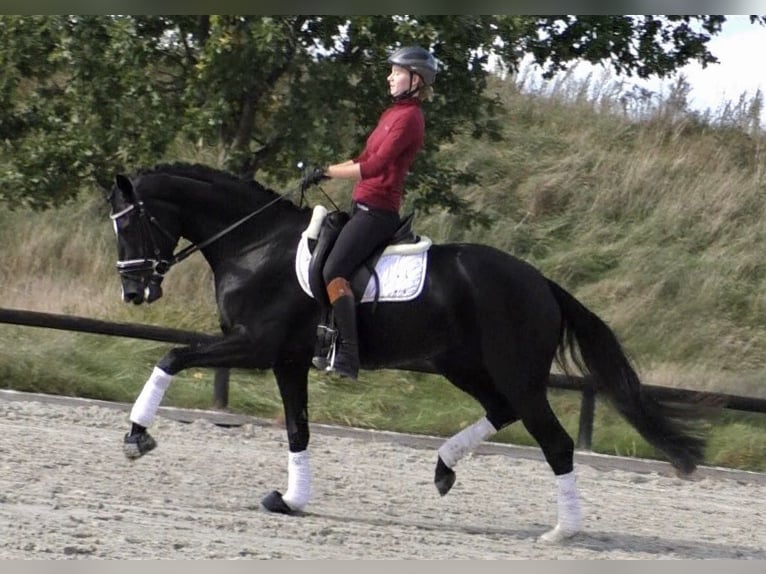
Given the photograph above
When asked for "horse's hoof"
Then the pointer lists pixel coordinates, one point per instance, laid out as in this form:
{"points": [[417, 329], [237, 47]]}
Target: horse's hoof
{"points": [[273, 502], [444, 477], [137, 445], [559, 534]]}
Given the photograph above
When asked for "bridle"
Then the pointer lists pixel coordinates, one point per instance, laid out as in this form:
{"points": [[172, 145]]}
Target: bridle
{"points": [[138, 268], [152, 260]]}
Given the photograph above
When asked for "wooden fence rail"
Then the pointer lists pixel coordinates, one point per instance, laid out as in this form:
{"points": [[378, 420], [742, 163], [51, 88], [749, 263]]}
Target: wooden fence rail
{"points": [[129, 330], [221, 377]]}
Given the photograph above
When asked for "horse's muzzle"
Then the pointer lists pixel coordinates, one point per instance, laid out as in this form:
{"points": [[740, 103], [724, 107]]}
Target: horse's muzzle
{"points": [[137, 292]]}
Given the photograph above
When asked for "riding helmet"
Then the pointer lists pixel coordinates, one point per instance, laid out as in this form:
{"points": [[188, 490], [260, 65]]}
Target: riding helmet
{"points": [[416, 59]]}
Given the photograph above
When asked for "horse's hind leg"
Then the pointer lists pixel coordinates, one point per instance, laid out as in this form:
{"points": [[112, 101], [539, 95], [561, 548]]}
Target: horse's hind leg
{"points": [[520, 366], [558, 448], [476, 382]]}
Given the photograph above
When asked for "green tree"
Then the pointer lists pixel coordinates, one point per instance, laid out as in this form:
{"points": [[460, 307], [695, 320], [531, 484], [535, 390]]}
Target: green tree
{"points": [[82, 97]]}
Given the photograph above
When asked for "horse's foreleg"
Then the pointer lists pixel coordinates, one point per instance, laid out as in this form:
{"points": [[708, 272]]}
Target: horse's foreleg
{"points": [[137, 442], [293, 387], [227, 351]]}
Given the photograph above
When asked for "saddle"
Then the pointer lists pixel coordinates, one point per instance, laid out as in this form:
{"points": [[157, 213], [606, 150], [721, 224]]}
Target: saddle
{"points": [[330, 227]]}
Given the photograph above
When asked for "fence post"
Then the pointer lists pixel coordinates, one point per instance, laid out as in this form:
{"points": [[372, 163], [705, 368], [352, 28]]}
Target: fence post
{"points": [[221, 389], [587, 412]]}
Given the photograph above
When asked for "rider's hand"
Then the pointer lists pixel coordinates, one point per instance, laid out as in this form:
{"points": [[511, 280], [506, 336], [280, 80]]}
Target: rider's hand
{"points": [[312, 178]]}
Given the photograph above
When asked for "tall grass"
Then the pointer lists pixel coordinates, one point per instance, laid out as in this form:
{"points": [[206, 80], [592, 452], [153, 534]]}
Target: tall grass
{"points": [[649, 213]]}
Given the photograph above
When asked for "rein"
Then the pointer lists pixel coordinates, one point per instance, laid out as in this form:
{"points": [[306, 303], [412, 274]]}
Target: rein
{"points": [[193, 248]]}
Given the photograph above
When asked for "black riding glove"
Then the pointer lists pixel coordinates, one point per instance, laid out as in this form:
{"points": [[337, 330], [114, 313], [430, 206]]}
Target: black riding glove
{"points": [[312, 178]]}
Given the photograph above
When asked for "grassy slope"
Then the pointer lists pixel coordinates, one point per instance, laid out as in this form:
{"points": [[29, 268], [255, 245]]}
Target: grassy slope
{"points": [[655, 225]]}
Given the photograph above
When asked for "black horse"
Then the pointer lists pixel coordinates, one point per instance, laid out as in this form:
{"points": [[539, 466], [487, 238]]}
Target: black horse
{"points": [[488, 322]]}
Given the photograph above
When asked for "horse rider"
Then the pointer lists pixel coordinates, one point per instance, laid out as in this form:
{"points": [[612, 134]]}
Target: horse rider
{"points": [[379, 172]]}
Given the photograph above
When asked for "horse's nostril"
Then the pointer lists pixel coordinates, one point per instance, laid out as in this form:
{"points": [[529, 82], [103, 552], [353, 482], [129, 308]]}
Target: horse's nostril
{"points": [[132, 297]]}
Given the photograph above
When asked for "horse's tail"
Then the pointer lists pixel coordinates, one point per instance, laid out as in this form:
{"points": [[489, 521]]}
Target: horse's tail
{"points": [[667, 427]]}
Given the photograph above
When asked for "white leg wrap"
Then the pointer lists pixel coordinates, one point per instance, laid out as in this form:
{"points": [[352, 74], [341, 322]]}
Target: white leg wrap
{"points": [[298, 480], [147, 403], [465, 441], [568, 505]]}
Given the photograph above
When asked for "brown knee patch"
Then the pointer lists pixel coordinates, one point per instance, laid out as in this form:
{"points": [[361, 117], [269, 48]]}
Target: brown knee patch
{"points": [[338, 288]]}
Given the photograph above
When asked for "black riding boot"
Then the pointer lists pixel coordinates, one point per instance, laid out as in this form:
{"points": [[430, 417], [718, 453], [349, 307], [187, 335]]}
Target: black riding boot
{"points": [[346, 360]]}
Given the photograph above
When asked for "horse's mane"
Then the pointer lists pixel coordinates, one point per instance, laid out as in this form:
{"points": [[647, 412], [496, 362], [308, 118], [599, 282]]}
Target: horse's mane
{"points": [[207, 174]]}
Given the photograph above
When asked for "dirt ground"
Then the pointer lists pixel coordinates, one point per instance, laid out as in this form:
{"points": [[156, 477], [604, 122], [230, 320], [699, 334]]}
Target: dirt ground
{"points": [[66, 491]]}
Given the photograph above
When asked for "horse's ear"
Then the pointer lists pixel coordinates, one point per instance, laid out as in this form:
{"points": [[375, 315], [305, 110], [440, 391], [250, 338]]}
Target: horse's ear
{"points": [[124, 184]]}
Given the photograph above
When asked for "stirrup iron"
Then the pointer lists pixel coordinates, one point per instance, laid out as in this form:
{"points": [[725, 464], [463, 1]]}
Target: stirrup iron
{"points": [[324, 352]]}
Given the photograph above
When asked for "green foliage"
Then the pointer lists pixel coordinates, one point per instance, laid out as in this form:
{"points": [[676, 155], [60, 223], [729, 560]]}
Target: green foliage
{"points": [[84, 97], [89, 98], [646, 45]]}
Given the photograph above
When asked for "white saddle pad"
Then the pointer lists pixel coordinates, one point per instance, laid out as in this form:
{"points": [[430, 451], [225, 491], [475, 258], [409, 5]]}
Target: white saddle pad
{"points": [[401, 269]]}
